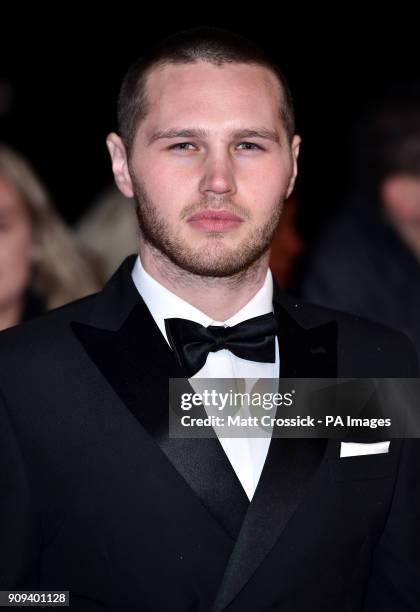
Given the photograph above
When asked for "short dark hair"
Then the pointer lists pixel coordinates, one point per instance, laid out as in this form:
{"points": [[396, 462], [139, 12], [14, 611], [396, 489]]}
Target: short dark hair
{"points": [[214, 45]]}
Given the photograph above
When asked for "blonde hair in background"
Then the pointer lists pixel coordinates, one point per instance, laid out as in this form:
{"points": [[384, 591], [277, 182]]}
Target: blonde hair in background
{"points": [[109, 229], [61, 272]]}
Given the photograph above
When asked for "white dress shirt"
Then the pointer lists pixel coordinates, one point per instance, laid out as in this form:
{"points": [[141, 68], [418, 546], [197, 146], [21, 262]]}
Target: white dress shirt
{"points": [[246, 455]]}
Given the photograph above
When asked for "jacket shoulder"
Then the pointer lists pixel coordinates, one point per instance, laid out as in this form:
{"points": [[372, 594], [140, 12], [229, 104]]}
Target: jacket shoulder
{"points": [[358, 338]]}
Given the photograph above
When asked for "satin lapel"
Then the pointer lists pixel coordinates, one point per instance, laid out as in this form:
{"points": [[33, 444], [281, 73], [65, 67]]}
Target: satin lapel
{"points": [[290, 464], [137, 362]]}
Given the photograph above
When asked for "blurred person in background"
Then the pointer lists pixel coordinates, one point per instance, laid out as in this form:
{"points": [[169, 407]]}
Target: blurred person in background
{"points": [[40, 265], [367, 259], [287, 244], [108, 231]]}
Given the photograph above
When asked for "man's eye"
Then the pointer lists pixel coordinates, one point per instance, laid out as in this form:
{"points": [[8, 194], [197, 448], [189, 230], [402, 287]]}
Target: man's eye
{"points": [[250, 146], [182, 146]]}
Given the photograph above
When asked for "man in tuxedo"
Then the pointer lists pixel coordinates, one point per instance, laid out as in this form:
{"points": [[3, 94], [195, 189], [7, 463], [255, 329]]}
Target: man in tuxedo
{"points": [[96, 497]]}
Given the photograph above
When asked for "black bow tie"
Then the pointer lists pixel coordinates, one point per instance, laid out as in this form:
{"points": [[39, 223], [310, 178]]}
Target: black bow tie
{"points": [[252, 339]]}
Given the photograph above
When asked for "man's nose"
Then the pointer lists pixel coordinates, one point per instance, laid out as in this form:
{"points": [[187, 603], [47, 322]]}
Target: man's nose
{"points": [[218, 174]]}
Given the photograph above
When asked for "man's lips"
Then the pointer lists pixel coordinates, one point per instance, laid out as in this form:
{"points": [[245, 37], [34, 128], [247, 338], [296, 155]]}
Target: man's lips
{"points": [[214, 220]]}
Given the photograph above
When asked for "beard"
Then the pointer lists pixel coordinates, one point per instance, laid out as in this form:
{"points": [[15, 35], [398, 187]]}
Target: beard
{"points": [[215, 259]]}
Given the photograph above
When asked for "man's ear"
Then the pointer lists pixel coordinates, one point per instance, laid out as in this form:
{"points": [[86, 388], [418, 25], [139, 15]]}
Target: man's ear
{"points": [[119, 161], [295, 146]]}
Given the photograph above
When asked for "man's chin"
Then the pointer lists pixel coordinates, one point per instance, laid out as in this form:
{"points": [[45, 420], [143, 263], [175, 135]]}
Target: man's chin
{"points": [[213, 265]]}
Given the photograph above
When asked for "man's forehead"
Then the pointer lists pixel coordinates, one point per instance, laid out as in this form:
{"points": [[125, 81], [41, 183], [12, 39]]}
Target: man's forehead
{"points": [[206, 97]]}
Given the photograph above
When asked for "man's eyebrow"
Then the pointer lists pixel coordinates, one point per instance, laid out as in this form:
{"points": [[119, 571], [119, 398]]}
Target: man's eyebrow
{"points": [[200, 133], [257, 133], [178, 133]]}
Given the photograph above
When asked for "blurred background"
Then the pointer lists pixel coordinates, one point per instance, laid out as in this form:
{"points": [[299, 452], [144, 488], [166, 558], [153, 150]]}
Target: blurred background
{"points": [[350, 235]]}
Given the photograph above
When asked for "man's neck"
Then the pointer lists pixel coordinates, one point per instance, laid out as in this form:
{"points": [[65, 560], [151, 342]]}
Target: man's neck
{"points": [[218, 298]]}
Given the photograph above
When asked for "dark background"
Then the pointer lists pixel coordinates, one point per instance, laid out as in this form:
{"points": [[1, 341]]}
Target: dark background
{"points": [[63, 72]]}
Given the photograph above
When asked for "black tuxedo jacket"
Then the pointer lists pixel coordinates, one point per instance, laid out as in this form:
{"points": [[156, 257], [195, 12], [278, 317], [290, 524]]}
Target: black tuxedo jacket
{"points": [[95, 498]]}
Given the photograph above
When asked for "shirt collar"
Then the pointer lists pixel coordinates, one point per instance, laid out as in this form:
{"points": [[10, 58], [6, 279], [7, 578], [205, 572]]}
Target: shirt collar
{"points": [[163, 304]]}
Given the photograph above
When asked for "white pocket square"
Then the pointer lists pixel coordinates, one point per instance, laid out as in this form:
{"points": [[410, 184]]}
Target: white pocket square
{"points": [[352, 449]]}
